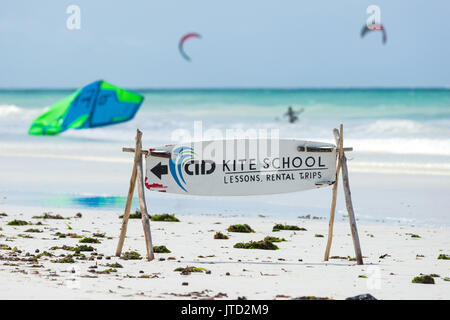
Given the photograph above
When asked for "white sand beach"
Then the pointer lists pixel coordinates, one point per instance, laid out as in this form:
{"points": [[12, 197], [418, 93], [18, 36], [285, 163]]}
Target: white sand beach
{"points": [[87, 88], [392, 257]]}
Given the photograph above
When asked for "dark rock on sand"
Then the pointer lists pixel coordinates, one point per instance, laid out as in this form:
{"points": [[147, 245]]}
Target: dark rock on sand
{"points": [[366, 296]]}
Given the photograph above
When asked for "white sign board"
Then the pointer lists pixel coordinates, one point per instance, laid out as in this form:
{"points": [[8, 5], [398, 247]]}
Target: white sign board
{"points": [[240, 167]]}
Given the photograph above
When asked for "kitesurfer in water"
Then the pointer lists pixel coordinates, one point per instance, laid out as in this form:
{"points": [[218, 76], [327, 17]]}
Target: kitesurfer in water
{"points": [[293, 115]]}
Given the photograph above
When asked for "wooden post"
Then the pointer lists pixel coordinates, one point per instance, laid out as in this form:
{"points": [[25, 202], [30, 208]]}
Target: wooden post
{"points": [[142, 204], [126, 214], [339, 143], [137, 174], [342, 165], [351, 214]]}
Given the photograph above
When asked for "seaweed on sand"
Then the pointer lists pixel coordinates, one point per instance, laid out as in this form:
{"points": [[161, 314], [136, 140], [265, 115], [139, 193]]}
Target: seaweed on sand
{"points": [[244, 228], [44, 254], [4, 247], [264, 245], [107, 271], [114, 265], [18, 223], [220, 235], [131, 255], [161, 249], [33, 230], [49, 215], [425, 279], [67, 259], [25, 236], [274, 239], [89, 240], [280, 226], [65, 235], [136, 215], [188, 270], [164, 217], [99, 235], [83, 247]]}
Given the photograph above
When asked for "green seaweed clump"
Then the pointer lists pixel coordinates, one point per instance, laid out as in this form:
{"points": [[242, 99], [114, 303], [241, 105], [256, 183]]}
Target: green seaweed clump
{"points": [[415, 236], [220, 235], [426, 279], [3, 214], [83, 247], [25, 236], [318, 235], [107, 271], [18, 223], [443, 256], [89, 240], [136, 215], [244, 228], [65, 235], [33, 230], [4, 247], [312, 298], [64, 247], [264, 245], [188, 270], [131, 255], [48, 215], [44, 254], [161, 249], [164, 217], [279, 227], [434, 275], [68, 259], [114, 265], [99, 235], [274, 239]]}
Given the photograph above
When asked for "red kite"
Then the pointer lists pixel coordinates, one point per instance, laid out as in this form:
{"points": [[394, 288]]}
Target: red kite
{"points": [[181, 43]]}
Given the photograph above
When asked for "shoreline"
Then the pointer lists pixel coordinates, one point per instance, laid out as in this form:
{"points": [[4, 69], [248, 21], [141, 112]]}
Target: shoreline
{"points": [[287, 277]]}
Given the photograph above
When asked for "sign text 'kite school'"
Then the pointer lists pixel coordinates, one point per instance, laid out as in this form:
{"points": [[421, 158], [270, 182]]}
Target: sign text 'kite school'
{"points": [[240, 167]]}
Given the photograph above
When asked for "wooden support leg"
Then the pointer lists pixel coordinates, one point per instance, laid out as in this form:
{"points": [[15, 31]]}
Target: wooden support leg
{"points": [[126, 214], [339, 144], [351, 214], [142, 204], [348, 201]]}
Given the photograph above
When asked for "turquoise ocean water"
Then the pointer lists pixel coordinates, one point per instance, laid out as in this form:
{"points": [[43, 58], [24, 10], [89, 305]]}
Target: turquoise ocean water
{"points": [[394, 121], [393, 131]]}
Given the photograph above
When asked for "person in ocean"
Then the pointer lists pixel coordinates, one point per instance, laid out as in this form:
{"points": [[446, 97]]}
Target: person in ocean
{"points": [[293, 115]]}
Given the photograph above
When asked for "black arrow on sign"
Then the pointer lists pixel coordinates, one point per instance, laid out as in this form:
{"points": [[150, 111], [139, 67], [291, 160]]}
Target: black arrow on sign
{"points": [[159, 170]]}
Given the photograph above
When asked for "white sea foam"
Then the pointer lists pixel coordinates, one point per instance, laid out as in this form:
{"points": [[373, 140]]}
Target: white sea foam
{"points": [[7, 110], [410, 168], [402, 146], [97, 158], [10, 112]]}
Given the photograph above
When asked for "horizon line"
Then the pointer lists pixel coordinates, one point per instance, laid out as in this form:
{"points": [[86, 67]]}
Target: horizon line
{"points": [[239, 88]]}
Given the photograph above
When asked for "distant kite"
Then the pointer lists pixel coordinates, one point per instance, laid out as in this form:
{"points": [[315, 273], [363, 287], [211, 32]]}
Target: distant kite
{"points": [[183, 40], [374, 27]]}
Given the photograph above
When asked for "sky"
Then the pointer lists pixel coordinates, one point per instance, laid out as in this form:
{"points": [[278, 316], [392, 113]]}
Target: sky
{"points": [[250, 43]]}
